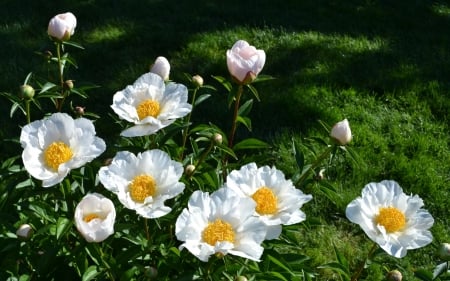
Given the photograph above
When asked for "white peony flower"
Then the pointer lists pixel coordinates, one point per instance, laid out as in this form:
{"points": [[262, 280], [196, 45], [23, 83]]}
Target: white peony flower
{"points": [[245, 62], [25, 231], [341, 132], [58, 144], [94, 217], [161, 66], [392, 219], [62, 26], [143, 182], [221, 223], [277, 200], [150, 104]]}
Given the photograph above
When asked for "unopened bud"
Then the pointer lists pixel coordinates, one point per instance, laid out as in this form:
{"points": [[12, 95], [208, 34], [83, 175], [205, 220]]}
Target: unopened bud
{"points": [[68, 85], [198, 80], [444, 251], [241, 278], [320, 175], [151, 273], [394, 275], [341, 132], [218, 138], [79, 110], [26, 92], [24, 232], [189, 170]]}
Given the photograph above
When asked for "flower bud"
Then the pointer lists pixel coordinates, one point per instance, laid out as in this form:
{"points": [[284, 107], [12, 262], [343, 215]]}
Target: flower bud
{"points": [[320, 175], [394, 275], [161, 66], [68, 85], [241, 278], [24, 232], [198, 80], [189, 170], [341, 132], [26, 92], [151, 273], [217, 138], [62, 26], [245, 62], [444, 251], [79, 111]]}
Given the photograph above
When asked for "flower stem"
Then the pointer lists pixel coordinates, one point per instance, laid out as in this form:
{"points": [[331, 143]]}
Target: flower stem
{"points": [[59, 102], [27, 111], [361, 265], [235, 115], [314, 165], [188, 119]]}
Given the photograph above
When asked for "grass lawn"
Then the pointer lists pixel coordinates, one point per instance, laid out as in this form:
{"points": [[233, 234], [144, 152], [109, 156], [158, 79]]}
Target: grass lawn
{"points": [[383, 65]]}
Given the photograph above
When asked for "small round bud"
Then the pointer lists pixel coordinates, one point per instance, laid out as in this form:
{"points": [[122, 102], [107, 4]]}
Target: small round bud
{"points": [[241, 278], [189, 170], [394, 275], [68, 85], [26, 92], [198, 80], [151, 273], [218, 138], [24, 232], [444, 251], [79, 110]]}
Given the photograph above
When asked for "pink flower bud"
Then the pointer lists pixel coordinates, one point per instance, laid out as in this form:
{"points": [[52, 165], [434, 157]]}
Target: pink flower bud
{"points": [[341, 132], [62, 26], [245, 62]]}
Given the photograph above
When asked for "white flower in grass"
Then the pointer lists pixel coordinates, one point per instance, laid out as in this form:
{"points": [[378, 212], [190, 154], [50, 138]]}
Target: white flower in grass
{"points": [[278, 202], [144, 181], [221, 223], [341, 132], [94, 217], [150, 104], [58, 144], [392, 219], [62, 26]]}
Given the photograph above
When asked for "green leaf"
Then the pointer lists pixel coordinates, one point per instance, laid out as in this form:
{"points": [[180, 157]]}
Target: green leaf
{"points": [[280, 264], [299, 156], [201, 99], [247, 122], [251, 143], [254, 92], [27, 79], [47, 86], [73, 44], [440, 269], [225, 83], [245, 108], [424, 275], [90, 273], [62, 226]]}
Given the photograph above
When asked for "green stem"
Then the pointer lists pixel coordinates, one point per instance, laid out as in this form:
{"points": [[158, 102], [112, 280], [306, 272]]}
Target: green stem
{"points": [[59, 102], [361, 266], [186, 130], [315, 164], [235, 115], [27, 111], [204, 154]]}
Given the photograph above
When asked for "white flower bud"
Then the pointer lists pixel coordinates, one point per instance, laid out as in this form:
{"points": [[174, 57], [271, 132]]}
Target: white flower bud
{"points": [[218, 139], [189, 170], [341, 132], [394, 275], [444, 251], [161, 66], [24, 231], [62, 26], [198, 80], [245, 62], [94, 217]]}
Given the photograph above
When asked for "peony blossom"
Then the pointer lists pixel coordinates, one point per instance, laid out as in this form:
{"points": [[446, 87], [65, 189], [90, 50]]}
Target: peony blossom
{"points": [[392, 219], [58, 144], [245, 62], [150, 104], [24, 231], [341, 132], [220, 223], [94, 217], [143, 182], [62, 26], [277, 200], [161, 66]]}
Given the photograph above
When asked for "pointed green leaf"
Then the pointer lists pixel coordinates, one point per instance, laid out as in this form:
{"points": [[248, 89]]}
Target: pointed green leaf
{"points": [[90, 273], [251, 143]]}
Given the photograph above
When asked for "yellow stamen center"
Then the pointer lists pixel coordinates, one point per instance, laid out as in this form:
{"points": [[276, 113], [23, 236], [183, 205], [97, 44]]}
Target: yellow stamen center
{"points": [[89, 217], [266, 201], [56, 154], [142, 187], [218, 231], [148, 108], [391, 218]]}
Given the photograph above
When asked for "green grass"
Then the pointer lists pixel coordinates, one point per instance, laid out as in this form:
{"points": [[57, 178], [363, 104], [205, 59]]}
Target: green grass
{"points": [[384, 65]]}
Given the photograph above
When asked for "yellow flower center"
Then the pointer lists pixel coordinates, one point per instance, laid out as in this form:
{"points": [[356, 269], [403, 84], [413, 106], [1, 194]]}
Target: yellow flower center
{"points": [[89, 217], [266, 201], [56, 154], [142, 187], [148, 108], [218, 231], [391, 218]]}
